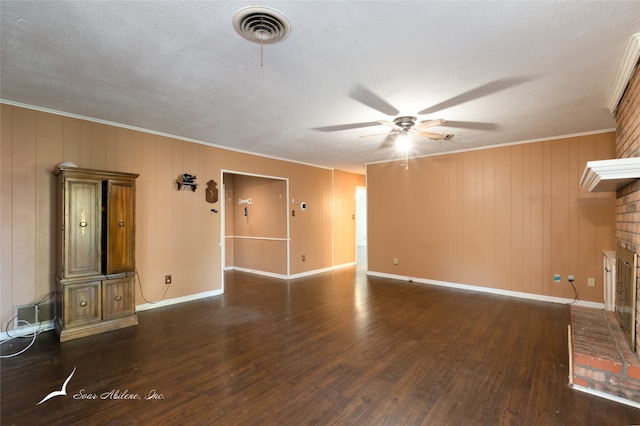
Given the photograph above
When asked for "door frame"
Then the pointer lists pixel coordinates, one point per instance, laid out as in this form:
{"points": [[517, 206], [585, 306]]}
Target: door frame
{"points": [[223, 214]]}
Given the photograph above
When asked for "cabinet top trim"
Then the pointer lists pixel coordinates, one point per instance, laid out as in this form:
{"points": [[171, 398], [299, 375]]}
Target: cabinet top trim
{"points": [[94, 172]]}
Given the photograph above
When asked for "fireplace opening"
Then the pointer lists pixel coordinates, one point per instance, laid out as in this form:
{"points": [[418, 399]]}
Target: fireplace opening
{"points": [[626, 275]]}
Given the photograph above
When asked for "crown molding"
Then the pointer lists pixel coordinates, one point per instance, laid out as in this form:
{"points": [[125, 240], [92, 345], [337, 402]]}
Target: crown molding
{"points": [[629, 62]]}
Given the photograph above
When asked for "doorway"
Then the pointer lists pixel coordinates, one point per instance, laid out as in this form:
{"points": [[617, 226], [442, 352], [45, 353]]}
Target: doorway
{"points": [[361, 227], [255, 224]]}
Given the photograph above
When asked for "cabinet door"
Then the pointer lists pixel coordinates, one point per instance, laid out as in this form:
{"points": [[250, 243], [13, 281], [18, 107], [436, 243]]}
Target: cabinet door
{"points": [[82, 229], [120, 226], [118, 298], [81, 303]]}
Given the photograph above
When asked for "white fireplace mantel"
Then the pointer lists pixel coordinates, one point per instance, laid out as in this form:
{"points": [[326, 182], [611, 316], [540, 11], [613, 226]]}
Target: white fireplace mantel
{"points": [[610, 175]]}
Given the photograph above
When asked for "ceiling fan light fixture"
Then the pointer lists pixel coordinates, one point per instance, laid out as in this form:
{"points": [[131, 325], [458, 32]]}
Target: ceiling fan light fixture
{"points": [[403, 142]]}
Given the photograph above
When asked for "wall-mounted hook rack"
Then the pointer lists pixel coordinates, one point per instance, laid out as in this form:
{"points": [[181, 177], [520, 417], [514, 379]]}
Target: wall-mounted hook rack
{"points": [[186, 182]]}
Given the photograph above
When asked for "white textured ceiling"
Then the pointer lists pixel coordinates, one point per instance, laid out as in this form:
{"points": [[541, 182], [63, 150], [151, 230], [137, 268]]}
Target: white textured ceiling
{"points": [[516, 71]]}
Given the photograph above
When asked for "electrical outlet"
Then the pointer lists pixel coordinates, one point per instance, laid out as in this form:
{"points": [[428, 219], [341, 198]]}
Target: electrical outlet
{"points": [[304, 257], [395, 261], [167, 279], [556, 278], [591, 282]]}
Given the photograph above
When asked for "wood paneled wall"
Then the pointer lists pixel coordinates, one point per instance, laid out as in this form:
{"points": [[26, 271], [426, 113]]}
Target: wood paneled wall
{"points": [[506, 218], [176, 231], [311, 229]]}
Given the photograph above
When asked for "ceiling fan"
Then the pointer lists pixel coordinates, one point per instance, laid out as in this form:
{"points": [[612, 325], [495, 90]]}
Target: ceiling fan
{"points": [[406, 125]]}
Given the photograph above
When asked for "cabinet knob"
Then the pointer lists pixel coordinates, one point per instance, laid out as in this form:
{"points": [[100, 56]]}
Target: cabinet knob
{"points": [[118, 298], [83, 303], [121, 224]]}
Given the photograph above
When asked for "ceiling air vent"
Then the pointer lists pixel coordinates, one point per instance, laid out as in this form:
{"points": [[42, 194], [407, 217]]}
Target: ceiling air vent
{"points": [[261, 24]]}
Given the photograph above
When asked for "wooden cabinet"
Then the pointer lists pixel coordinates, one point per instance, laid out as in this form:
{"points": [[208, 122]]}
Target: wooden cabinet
{"points": [[95, 260]]}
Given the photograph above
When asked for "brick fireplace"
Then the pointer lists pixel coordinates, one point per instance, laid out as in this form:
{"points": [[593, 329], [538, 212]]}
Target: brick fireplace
{"points": [[604, 360], [627, 116]]}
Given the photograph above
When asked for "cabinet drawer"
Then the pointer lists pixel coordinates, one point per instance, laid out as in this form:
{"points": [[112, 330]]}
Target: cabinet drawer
{"points": [[81, 303], [118, 298]]}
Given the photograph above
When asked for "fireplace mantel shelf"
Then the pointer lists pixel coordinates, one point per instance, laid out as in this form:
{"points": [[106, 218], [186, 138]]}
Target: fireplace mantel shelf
{"points": [[610, 175]]}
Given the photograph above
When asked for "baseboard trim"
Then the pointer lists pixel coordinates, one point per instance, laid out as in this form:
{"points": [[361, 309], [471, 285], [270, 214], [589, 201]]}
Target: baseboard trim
{"points": [[292, 276], [258, 272], [28, 331], [322, 270], [49, 325], [176, 300], [480, 289]]}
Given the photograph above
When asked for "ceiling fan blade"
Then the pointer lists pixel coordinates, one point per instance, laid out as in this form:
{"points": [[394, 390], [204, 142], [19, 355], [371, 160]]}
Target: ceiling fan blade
{"points": [[374, 134], [390, 124], [348, 126], [370, 99], [478, 92], [430, 123], [471, 125], [434, 136], [389, 141]]}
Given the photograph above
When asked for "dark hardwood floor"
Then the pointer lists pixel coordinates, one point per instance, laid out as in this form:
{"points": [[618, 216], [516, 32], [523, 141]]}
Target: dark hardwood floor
{"points": [[337, 348]]}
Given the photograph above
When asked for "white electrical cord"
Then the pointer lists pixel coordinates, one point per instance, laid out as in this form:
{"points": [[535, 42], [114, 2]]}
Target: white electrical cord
{"points": [[33, 336], [142, 294], [33, 340]]}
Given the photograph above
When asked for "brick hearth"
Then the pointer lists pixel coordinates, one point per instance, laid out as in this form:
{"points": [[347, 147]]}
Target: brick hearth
{"points": [[602, 361]]}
